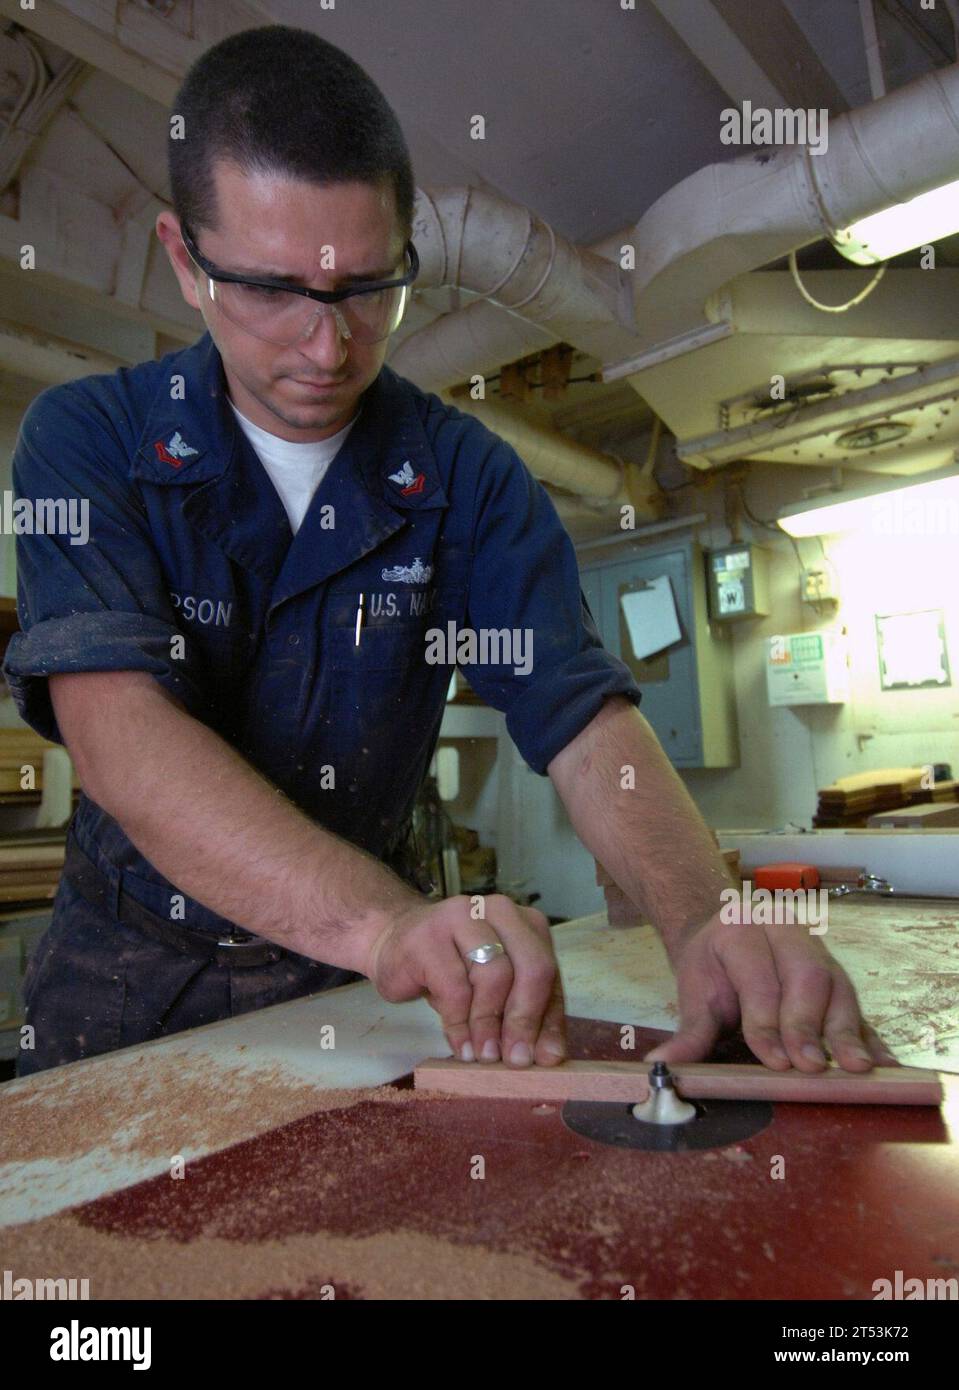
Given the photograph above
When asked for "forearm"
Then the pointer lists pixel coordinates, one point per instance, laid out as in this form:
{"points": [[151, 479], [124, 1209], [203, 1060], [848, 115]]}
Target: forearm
{"points": [[644, 828], [217, 829]]}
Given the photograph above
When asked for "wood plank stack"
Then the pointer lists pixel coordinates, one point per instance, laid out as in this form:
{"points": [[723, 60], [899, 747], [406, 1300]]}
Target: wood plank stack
{"points": [[945, 791], [932, 816], [19, 748], [30, 867], [850, 801], [30, 860]]}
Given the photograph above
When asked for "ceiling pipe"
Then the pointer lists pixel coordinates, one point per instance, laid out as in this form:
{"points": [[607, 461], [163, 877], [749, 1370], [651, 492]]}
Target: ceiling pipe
{"points": [[723, 221], [728, 219], [548, 453], [552, 291], [479, 241], [599, 480], [480, 337]]}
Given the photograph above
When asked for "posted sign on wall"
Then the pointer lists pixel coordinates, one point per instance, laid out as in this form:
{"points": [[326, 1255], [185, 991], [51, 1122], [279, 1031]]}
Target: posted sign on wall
{"points": [[807, 668]]}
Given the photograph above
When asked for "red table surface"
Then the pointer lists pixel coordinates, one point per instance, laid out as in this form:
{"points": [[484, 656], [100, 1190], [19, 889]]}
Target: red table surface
{"points": [[867, 1191]]}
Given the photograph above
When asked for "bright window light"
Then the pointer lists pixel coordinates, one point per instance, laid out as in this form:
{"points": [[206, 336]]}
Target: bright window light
{"points": [[927, 218]]}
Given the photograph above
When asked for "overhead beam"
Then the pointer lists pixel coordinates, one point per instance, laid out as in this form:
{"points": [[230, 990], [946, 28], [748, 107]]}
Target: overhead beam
{"points": [[46, 309], [143, 48], [48, 360], [721, 51], [93, 45], [770, 63], [780, 47], [135, 248], [13, 234], [38, 101]]}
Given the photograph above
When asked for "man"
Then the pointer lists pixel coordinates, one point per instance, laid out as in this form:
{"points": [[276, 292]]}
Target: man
{"points": [[237, 660]]}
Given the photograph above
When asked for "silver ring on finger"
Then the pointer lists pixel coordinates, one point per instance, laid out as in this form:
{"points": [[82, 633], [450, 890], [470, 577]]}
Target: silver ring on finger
{"points": [[482, 955]]}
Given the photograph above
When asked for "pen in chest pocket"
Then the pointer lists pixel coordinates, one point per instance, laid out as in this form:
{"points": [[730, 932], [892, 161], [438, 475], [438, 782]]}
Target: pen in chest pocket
{"points": [[359, 622]]}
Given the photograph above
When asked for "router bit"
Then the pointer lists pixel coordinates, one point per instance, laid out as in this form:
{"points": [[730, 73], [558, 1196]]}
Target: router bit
{"points": [[663, 1106]]}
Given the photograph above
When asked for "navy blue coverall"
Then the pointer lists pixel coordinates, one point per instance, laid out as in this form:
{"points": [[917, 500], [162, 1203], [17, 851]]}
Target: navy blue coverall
{"points": [[435, 520]]}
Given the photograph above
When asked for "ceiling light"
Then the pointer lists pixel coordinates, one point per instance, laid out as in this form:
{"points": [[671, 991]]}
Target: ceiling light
{"points": [[929, 507], [921, 220]]}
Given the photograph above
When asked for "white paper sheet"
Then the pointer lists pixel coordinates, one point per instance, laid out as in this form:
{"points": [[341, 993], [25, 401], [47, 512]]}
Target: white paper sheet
{"points": [[651, 617]]}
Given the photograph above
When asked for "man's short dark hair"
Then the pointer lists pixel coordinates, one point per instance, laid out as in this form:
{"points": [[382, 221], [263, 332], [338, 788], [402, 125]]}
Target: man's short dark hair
{"points": [[284, 101]]}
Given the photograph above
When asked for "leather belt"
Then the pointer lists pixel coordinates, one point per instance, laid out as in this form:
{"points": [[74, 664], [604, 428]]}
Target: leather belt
{"points": [[239, 948]]}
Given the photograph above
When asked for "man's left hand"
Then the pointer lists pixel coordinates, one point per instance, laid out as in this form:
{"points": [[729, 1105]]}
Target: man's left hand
{"points": [[791, 998]]}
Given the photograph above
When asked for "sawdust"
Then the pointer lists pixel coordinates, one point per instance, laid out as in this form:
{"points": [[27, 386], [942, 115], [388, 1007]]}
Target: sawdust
{"points": [[376, 1199], [926, 1007], [390, 1265], [904, 959], [159, 1105]]}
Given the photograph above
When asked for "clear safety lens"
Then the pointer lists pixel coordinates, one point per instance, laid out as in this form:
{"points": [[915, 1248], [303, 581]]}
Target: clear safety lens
{"points": [[278, 316]]}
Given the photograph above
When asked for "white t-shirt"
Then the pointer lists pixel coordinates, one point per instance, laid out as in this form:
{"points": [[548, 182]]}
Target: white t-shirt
{"points": [[296, 470]]}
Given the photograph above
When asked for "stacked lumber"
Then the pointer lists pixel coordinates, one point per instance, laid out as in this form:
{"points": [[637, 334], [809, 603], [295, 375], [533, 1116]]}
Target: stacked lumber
{"points": [[850, 801], [932, 816], [20, 748], [944, 791], [30, 867]]}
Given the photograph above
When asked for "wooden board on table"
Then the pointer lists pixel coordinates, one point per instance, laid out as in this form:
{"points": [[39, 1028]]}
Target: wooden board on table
{"points": [[909, 778], [935, 815], [627, 1082]]}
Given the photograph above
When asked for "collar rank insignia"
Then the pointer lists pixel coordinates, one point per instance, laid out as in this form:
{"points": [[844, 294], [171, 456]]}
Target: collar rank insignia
{"points": [[174, 451], [407, 481]]}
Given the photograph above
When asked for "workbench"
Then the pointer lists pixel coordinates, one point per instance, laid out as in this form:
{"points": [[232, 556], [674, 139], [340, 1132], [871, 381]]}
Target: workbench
{"points": [[313, 1170]]}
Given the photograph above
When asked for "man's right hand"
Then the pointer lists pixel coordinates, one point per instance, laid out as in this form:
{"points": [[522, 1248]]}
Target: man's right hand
{"points": [[511, 1008], [265, 866]]}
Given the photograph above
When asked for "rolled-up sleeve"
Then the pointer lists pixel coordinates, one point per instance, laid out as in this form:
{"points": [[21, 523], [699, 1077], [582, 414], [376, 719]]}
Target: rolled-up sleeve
{"points": [[525, 580], [87, 603]]}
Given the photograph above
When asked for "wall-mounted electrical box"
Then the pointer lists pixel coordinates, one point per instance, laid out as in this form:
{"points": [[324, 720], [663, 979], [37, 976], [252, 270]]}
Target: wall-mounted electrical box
{"points": [[807, 668], [738, 583], [651, 612], [819, 583]]}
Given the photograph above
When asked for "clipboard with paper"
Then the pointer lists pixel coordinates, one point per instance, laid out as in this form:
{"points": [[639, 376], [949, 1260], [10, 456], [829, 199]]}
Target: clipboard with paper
{"points": [[651, 617]]}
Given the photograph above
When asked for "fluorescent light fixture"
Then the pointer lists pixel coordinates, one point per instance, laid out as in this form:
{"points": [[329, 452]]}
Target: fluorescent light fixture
{"points": [[929, 507], [929, 217]]}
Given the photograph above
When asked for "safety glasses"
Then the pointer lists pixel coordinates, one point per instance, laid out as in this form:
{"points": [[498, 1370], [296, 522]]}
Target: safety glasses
{"points": [[285, 314]]}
